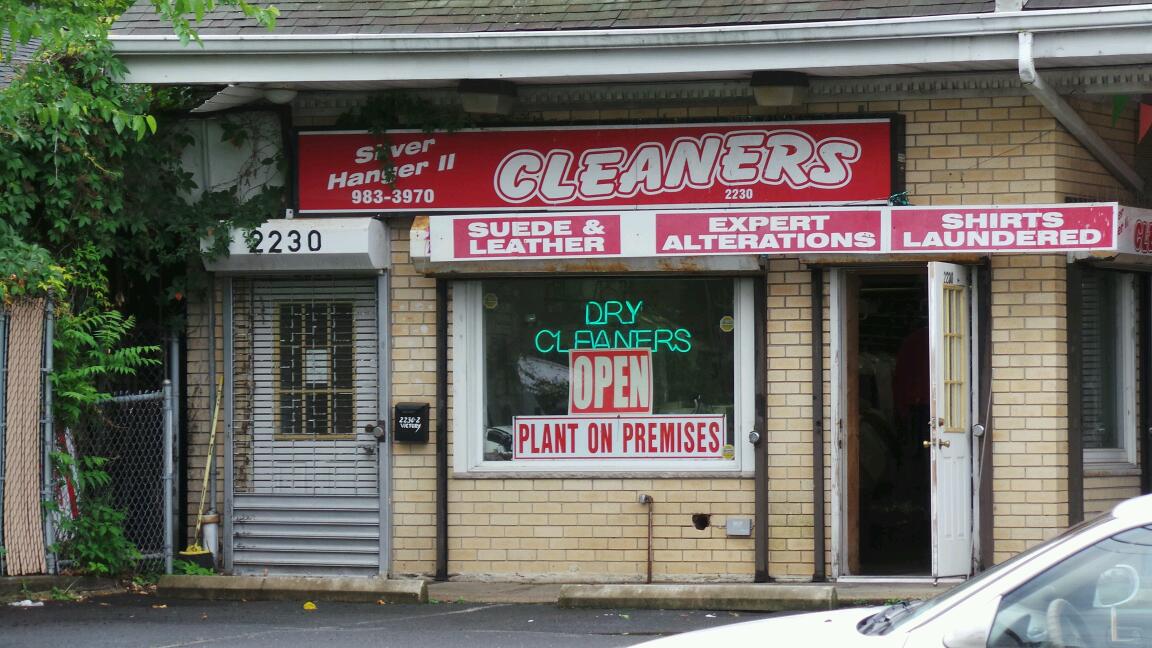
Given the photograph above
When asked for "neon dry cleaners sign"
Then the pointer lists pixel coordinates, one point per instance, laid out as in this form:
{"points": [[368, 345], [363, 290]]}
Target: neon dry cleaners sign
{"points": [[598, 317], [610, 398]]}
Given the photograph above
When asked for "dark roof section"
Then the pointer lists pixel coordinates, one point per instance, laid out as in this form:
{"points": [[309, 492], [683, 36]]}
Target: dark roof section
{"points": [[20, 54], [455, 16]]}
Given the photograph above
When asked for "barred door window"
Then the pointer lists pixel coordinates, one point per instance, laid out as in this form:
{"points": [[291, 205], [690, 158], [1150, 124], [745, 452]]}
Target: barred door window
{"points": [[316, 369]]}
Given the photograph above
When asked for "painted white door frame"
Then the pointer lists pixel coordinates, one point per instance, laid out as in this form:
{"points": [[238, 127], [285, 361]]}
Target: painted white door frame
{"points": [[838, 406]]}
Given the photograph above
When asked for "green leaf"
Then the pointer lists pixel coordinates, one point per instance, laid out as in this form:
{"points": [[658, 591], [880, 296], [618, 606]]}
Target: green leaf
{"points": [[1119, 103]]}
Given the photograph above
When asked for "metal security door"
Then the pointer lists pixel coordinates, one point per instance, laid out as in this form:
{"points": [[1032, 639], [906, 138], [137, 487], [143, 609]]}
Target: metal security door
{"points": [[951, 369], [306, 496]]}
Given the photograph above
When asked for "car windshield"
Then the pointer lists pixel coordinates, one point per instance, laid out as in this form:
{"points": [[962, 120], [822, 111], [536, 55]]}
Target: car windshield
{"points": [[903, 613]]}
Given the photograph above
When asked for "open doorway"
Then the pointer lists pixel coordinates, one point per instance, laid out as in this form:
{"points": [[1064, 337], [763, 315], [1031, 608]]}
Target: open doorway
{"points": [[887, 391]]}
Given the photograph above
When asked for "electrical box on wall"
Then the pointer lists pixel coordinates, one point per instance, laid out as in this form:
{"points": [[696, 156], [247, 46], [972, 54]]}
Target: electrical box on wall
{"points": [[738, 526], [410, 423]]}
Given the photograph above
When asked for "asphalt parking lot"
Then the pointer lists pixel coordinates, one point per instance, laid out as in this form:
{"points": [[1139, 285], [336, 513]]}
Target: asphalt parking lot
{"points": [[147, 620]]}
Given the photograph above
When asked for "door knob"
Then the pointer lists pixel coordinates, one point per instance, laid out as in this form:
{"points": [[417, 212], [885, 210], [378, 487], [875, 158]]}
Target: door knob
{"points": [[928, 443], [940, 443]]}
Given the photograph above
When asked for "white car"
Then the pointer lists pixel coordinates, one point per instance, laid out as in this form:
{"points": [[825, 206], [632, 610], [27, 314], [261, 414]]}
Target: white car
{"points": [[1090, 586]]}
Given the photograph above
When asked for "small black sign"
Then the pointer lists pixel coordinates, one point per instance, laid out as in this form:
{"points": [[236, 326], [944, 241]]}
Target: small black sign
{"points": [[411, 422]]}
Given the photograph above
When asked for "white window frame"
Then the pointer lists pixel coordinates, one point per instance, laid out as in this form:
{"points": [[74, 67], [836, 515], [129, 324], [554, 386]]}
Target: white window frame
{"points": [[1126, 332], [468, 397]]}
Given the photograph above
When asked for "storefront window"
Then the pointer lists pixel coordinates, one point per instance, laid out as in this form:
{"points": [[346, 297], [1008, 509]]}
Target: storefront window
{"points": [[1107, 339], [592, 372]]}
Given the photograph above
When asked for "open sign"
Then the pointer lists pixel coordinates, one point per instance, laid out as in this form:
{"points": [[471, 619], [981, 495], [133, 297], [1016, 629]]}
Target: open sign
{"points": [[610, 381]]}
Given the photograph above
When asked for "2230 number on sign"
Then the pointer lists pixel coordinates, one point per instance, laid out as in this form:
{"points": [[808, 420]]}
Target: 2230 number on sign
{"points": [[396, 196], [277, 242]]}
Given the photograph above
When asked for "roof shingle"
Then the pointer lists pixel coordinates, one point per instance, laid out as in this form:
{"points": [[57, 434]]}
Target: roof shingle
{"points": [[395, 16], [432, 16]]}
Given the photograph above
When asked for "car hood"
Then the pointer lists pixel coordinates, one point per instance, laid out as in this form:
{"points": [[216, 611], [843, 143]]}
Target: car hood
{"points": [[833, 628]]}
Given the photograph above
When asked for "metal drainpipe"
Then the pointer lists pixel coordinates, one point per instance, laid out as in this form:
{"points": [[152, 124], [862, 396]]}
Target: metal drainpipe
{"points": [[1145, 318], [169, 427], [1071, 120], [647, 501], [819, 573], [211, 459], [759, 434], [442, 429]]}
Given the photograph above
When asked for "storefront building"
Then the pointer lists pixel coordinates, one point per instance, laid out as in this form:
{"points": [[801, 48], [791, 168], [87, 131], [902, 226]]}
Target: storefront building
{"points": [[653, 329]]}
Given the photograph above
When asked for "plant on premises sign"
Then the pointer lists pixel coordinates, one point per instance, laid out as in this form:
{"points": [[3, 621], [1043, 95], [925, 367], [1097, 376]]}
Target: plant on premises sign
{"points": [[694, 165]]}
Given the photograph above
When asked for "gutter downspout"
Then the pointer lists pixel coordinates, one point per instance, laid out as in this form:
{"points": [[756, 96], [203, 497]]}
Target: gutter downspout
{"points": [[1144, 430], [819, 573], [1070, 119], [761, 506], [441, 429]]}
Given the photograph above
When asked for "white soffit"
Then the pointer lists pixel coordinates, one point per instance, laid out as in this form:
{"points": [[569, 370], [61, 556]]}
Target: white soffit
{"points": [[230, 97], [988, 41]]}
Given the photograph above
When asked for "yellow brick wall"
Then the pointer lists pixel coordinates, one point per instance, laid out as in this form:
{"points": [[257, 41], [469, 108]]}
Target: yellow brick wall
{"points": [[197, 389], [789, 420], [1078, 174], [1104, 489], [1029, 401], [543, 529], [413, 313], [594, 529], [985, 150], [975, 151]]}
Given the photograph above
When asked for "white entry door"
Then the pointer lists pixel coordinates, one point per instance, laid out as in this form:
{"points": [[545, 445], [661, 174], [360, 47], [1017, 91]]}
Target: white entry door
{"points": [[951, 369]]}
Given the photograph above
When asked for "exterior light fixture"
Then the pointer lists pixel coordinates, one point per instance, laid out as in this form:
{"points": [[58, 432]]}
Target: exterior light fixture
{"points": [[279, 95], [780, 88], [487, 96]]}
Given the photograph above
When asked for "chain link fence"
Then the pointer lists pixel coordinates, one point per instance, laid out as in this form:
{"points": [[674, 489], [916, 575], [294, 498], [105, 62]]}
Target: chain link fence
{"points": [[129, 431], [133, 430]]}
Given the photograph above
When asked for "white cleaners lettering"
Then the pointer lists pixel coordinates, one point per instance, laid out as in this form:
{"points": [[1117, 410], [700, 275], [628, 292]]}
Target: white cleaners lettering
{"points": [[736, 159]]}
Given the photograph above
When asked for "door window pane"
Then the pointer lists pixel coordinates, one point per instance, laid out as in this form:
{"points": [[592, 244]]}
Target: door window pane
{"points": [[315, 345]]}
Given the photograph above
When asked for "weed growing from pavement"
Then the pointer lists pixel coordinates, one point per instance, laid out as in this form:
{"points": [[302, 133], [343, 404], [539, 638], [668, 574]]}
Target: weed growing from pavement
{"points": [[188, 568]]}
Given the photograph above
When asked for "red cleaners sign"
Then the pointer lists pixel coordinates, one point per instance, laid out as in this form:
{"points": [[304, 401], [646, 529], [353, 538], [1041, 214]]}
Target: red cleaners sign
{"points": [[698, 165]]}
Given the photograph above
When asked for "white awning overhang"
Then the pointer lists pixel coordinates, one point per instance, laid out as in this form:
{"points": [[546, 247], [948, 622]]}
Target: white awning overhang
{"points": [[304, 245], [987, 41], [734, 239]]}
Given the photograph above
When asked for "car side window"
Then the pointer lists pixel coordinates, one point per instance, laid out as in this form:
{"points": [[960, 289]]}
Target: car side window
{"points": [[1101, 596]]}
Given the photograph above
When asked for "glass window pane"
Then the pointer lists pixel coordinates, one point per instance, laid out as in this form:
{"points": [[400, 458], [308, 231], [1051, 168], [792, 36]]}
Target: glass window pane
{"points": [[1100, 382], [530, 324], [316, 368]]}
